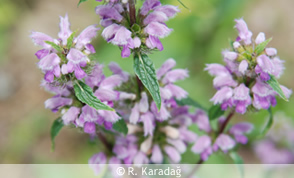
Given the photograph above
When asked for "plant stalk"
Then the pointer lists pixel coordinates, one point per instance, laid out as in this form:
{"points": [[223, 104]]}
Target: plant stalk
{"points": [[132, 9]]}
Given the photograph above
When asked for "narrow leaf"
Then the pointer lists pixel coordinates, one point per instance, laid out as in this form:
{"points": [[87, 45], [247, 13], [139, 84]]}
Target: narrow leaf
{"points": [[81, 1], [238, 161], [145, 70], [190, 102], [55, 128], [214, 112], [276, 87], [70, 40], [260, 47], [120, 126], [55, 46], [268, 124], [183, 4], [85, 94]]}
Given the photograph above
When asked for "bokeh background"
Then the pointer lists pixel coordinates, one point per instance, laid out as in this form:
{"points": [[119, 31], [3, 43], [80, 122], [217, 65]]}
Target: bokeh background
{"points": [[200, 34]]}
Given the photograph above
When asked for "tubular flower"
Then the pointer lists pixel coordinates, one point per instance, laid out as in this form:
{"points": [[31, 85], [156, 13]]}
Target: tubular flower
{"points": [[82, 115], [148, 128], [144, 33], [243, 81], [207, 144], [66, 57]]}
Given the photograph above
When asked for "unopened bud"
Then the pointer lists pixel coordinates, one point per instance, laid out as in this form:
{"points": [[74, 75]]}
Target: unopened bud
{"points": [[146, 145], [132, 129], [170, 132]]}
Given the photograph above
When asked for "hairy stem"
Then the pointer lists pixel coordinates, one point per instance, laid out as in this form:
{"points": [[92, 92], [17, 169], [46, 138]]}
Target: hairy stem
{"points": [[222, 128], [132, 9], [102, 138]]}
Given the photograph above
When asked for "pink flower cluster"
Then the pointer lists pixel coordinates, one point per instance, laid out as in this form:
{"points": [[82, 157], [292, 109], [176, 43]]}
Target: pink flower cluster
{"points": [[152, 133], [242, 82], [148, 28], [205, 144], [81, 115], [65, 55]]}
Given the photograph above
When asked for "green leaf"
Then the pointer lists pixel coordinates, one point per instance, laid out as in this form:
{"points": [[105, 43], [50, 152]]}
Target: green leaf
{"points": [[55, 46], [215, 112], [145, 70], [190, 102], [238, 161], [70, 40], [276, 87], [268, 124], [121, 126], [260, 47], [81, 1], [85, 94], [55, 128]]}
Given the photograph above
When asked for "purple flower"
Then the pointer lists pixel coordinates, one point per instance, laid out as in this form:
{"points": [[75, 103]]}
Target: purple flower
{"points": [[149, 5], [230, 55], [242, 98], [169, 10], [57, 102], [148, 122], [71, 115], [86, 36], [260, 38], [65, 31], [108, 12], [244, 34], [139, 35], [239, 129], [222, 95], [265, 67], [173, 154], [75, 58], [157, 29], [153, 42], [242, 81], [40, 38], [96, 162], [157, 156], [224, 142], [202, 147], [141, 158], [166, 66], [114, 67], [202, 121]]}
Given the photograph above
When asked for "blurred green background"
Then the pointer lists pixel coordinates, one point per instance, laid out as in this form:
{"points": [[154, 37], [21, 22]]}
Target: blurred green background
{"points": [[200, 34]]}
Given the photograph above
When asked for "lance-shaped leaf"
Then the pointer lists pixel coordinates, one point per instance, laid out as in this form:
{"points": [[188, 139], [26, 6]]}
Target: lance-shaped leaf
{"points": [[238, 161], [55, 129], [268, 124], [276, 87], [70, 40], [120, 126], [214, 112], [183, 4], [55, 46], [85, 94], [190, 102], [260, 47], [145, 70], [81, 1]]}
